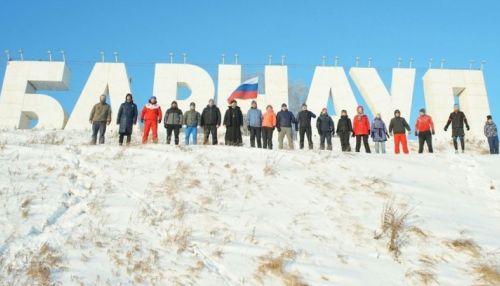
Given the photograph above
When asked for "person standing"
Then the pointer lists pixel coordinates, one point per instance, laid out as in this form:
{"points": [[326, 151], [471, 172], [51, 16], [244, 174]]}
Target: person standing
{"points": [[268, 125], [100, 116], [361, 129], [254, 125], [344, 129], [379, 134], [326, 129], [127, 118], [173, 122], [191, 121], [424, 129], [210, 121], [398, 128], [491, 133], [304, 121], [151, 117], [457, 120], [284, 121], [233, 120]]}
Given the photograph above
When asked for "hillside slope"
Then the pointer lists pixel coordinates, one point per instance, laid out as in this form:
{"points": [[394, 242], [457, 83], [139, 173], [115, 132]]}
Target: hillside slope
{"points": [[214, 215]]}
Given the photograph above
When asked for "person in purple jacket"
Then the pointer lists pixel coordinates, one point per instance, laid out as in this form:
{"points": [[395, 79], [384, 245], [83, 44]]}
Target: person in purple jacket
{"points": [[379, 134]]}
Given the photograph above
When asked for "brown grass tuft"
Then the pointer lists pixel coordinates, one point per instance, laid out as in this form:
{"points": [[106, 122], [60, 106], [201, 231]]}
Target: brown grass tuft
{"points": [[425, 277], [465, 245], [488, 274], [42, 263], [276, 266]]}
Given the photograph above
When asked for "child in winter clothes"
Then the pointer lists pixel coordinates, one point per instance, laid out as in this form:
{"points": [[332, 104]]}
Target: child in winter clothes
{"points": [[490, 131], [268, 125], [151, 117], [326, 129], [379, 134], [361, 129], [344, 129]]}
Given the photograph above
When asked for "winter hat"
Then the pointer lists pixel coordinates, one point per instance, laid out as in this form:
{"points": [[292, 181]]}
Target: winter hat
{"points": [[253, 101], [304, 105], [422, 110], [152, 97], [343, 111], [283, 105], [174, 102], [397, 111], [489, 117], [324, 109], [192, 104]]}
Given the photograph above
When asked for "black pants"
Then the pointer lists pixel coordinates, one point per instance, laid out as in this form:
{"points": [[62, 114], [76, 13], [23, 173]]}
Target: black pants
{"points": [[462, 142], [98, 127], [325, 136], [424, 137], [344, 140], [120, 140], [175, 129], [255, 133], [305, 131], [267, 137], [207, 130], [365, 142]]}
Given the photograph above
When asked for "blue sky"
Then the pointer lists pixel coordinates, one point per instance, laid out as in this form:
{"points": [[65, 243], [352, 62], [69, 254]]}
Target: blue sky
{"points": [[144, 32]]}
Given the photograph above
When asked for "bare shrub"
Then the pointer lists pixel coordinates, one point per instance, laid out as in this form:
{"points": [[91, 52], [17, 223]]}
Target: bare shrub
{"points": [[426, 277], [42, 263]]}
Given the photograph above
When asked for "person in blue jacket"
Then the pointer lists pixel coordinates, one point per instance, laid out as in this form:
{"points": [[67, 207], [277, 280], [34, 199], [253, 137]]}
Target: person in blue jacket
{"points": [[127, 117], [284, 121], [254, 125]]}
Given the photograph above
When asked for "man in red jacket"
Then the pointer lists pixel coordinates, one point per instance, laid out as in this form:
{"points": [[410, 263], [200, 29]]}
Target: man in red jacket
{"points": [[151, 116], [361, 129], [424, 129]]}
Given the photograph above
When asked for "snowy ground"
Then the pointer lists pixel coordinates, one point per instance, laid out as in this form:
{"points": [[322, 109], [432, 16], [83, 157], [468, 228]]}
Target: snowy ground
{"points": [[75, 214]]}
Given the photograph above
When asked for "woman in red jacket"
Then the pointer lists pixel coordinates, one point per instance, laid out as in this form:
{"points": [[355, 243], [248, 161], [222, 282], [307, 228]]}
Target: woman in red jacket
{"points": [[151, 116], [361, 129], [424, 129]]}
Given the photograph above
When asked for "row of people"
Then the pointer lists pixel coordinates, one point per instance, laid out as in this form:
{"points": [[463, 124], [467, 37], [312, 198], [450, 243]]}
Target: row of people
{"points": [[261, 126]]}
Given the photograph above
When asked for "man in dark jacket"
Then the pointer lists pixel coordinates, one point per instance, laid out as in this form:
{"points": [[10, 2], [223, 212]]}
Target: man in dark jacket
{"points": [[127, 117], [233, 120], [304, 121], [100, 116], [173, 122], [398, 127], [326, 129], [284, 121], [210, 121], [344, 129], [457, 119]]}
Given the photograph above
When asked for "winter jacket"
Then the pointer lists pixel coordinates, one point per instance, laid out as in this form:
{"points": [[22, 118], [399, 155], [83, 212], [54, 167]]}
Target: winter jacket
{"points": [[173, 116], [233, 116], [127, 116], [101, 112], [269, 119], [361, 125], [151, 112], [191, 118], [490, 130], [254, 117], [210, 116], [324, 123], [379, 132], [398, 125], [304, 118], [457, 120], [285, 119], [344, 124], [424, 123]]}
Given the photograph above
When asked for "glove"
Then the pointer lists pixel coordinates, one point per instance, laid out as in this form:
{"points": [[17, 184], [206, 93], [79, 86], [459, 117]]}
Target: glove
{"points": [[279, 129], [353, 135], [468, 128], [387, 134], [296, 129], [445, 129], [319, 132], [248, 127], [433, 132], [142, 120], [416, 133]]}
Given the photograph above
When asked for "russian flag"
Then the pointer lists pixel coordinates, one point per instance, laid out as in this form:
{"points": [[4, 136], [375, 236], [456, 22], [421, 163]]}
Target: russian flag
{"points": [[247, 90]]}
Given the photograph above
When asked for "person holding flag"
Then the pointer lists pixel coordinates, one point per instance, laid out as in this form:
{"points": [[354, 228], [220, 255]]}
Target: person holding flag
{"points": [[247, 90]]}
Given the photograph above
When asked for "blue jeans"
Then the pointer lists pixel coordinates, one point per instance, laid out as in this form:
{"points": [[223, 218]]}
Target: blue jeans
{"points": [[493, 142], [190, 131]]}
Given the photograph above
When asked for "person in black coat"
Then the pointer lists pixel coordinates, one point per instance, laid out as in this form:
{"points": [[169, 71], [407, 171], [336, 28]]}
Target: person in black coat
{"points": [[127, 117], [233, 120], [326, 129], [457, 119], [304, 120], [344, 130], [210, 121]]}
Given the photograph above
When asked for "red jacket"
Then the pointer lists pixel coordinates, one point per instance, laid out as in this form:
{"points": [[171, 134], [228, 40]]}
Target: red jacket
{"points": [[360, 125], [424, 123], [151, 112]]}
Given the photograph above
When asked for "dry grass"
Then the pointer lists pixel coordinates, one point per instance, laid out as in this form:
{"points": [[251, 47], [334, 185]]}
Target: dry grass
{"points": [[488, 274], [25, 207], [395, 226], [276, 266], [465, 245], [270, 166], [425, 277], [41, 265]]}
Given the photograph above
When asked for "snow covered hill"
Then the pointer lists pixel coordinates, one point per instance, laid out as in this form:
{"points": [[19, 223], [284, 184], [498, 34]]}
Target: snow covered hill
{"points": [[74, 214]]}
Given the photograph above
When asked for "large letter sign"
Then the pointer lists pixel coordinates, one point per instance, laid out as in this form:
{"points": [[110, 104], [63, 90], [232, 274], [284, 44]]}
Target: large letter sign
{"points": [[19, 101]]}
